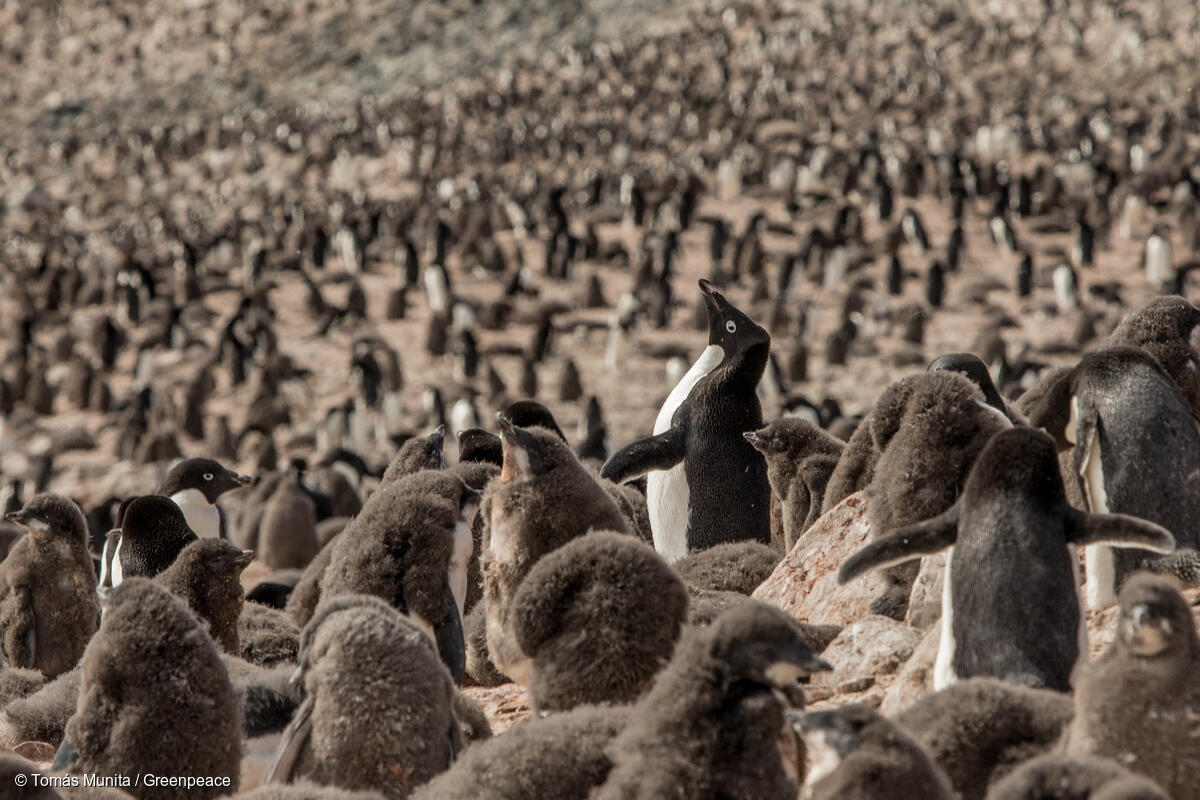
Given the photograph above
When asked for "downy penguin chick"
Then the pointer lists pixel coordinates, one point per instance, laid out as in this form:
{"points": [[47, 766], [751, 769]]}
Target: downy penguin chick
{"points": [[560, 756], [287, 535], [924, 433], [979, 729], [713, 723], [155, 698], [267, 635], [207, 576], [542, 499], [1059, 777], [1010, 602], [597, 618], [799, 455], [48, 604], [43, 715], [731, 567], [1139, 702], [418, 453], [194, 485], [401, 548], [378, 712], [854, 753], [705, 483]]}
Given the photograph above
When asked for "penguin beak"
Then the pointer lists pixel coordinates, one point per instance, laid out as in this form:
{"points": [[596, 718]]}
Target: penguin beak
{"points": [[712, 298], [19, 517], [243, 480], [244, 558], [784, 673], [755, 440]]}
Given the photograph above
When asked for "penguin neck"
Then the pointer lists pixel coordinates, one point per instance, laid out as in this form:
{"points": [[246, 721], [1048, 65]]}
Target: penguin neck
{"points": [[712, 357], [201, 515], [745, 368]]}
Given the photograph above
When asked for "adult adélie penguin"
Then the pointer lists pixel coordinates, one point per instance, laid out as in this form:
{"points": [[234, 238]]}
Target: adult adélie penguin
{"points": [[706, 484]]}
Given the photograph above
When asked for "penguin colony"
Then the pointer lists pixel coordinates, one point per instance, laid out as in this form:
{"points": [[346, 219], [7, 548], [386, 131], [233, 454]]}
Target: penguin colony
{"points": [[456, 440]]}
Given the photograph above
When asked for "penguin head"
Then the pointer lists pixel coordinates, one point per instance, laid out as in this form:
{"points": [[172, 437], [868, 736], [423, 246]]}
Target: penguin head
{"points": [[529, 452], [973, 369], [50, 515], [532, 414], [729, 328], [478, 445], [761, 644], [205, 476], [836, 733], [416, 454], [784, 435], [1155, 619], [213, 564]]}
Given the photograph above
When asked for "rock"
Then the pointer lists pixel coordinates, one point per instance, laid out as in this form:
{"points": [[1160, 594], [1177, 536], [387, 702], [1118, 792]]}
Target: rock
{"points": [[504, 705], [925, 601], [865, 650], [916, 678], [37, 752], [805, 585]]}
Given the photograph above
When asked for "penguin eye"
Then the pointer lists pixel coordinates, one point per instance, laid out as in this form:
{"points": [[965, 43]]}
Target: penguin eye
{"points": [[731, 326], [208, 476]]}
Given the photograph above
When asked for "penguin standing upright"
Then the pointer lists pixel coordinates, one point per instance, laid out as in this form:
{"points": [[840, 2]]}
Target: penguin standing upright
{"points": [[706, 483]]}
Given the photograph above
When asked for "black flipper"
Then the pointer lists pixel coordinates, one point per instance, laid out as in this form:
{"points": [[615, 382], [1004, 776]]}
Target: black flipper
{"points": [[646, 455], [450, 641], [922, 539], [292, 744], [1116, 530]]}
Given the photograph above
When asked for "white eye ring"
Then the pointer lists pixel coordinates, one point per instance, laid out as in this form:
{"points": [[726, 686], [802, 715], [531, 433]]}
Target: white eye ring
{"points": [[208, 476], [731, 326]]}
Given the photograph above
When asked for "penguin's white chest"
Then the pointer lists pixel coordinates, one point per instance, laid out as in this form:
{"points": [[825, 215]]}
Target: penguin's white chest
{"points": [[943, 665], [667, 492], [202, 517]]}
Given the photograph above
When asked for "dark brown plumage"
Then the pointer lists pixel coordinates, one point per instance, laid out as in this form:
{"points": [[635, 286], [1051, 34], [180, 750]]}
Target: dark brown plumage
{"points": [[48, 604], [597, 618], [800, 461], [713, 723], [287, 534], [206, 575], [378, 713], [911, 457], [155, 697], [541, 500], [1139, 702], [1058, 777], [979, 729], [560, 756], [730, 567], [267, 636]]}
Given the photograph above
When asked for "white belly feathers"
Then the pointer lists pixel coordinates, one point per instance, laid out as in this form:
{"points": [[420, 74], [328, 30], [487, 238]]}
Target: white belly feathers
{"points": [[667, 495], [202, 517]]}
